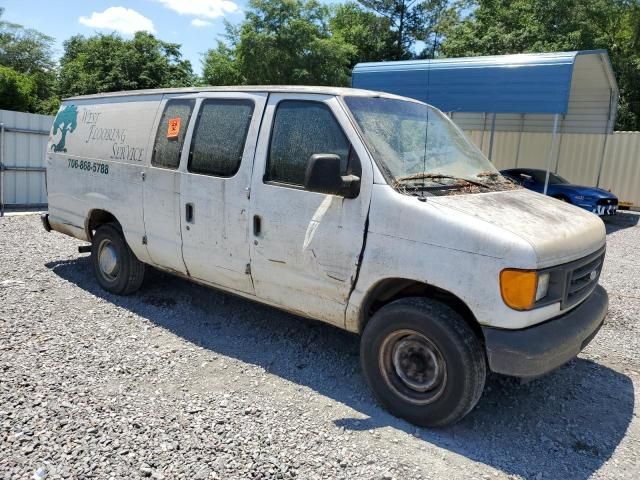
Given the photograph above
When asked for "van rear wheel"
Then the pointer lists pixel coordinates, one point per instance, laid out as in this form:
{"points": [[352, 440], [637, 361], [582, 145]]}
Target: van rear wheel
{"points": [[115, 266], [423, 361]]}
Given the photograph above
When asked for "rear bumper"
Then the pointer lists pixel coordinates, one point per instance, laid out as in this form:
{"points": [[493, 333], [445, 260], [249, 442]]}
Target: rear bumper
{"points": [[536, 350]]}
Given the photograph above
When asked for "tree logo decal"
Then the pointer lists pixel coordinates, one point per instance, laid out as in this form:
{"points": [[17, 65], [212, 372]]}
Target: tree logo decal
{"points": [[66, 122]]}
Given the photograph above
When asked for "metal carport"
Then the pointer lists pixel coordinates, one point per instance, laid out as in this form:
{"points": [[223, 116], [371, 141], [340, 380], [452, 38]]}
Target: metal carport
{"points": [[571, 92]]}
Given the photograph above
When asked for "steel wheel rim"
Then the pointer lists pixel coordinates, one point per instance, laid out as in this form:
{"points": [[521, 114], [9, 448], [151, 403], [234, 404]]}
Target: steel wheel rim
{"points": [[108, 261], [413, 366]]}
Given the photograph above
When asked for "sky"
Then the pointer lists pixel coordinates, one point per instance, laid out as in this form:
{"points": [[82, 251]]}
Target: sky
{"points": [[195, 24]]}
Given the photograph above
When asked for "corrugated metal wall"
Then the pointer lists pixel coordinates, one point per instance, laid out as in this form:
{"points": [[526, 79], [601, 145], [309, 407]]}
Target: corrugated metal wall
{"points": [[509, 92], [577, 157], [23, 153], [621, 168], [590, 107]]}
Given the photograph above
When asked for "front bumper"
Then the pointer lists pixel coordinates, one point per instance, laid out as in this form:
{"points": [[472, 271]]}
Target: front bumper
{"points": [[536, 350], [605, 210], [602, 207]]}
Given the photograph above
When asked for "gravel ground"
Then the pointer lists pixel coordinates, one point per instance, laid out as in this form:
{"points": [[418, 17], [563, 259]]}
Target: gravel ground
{"points": [[179, 381]]}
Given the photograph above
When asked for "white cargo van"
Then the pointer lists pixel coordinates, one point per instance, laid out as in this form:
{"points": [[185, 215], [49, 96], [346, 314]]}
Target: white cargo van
{"points": [[365, 210]]}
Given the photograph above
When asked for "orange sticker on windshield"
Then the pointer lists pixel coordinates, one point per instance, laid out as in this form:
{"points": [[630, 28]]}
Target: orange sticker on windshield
{"points": [[173, 130]]}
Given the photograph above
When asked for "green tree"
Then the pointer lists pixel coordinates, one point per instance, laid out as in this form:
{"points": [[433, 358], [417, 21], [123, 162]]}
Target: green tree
{"points": [[25, 50], [410, 21], [220, 67], [281, 42], [29, 53], [17, 90], [106, 63], [369, 33], [497, 27]]}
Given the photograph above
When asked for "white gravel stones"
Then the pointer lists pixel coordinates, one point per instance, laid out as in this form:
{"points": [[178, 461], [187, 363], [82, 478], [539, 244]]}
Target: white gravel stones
{"points": [[182, 382]]}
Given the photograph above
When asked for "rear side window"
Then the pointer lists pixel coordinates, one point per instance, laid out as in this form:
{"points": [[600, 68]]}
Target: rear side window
{"points": [[219, 137], [171, 132], [301, 129]]}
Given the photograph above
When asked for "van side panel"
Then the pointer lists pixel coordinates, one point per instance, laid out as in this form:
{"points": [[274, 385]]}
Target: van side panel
{"points": [[432, 244], [215, 242], [95, 157], [305, 254]]}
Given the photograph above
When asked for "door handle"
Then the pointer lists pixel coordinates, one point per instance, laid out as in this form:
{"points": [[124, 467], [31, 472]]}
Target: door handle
{"points": [[189, 212], [257, 225]]}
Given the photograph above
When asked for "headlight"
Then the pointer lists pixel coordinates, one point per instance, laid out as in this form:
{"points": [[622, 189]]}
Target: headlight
{"points": [[521, 289], [543, 285]]}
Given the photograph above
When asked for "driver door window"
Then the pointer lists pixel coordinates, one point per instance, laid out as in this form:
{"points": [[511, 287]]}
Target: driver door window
{"points": [[301, 129]]}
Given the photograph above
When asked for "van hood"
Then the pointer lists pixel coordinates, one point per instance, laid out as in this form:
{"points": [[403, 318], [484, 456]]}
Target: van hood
{"points": [[557, 231]]}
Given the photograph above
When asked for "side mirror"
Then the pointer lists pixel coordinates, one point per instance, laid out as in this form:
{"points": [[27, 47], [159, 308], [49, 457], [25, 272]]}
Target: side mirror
{"points": [[323, 176]]}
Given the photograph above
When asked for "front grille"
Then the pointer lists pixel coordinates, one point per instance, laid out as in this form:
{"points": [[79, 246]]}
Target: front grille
{"points": [[582, 278], [607, 201]]}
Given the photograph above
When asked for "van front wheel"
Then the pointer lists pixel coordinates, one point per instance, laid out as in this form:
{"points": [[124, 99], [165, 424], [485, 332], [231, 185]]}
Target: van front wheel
{"points": [[423, 362], [116, 267]]}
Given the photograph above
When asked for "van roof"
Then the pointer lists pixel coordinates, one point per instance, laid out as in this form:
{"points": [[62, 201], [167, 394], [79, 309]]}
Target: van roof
{"points": [[339, 91]]}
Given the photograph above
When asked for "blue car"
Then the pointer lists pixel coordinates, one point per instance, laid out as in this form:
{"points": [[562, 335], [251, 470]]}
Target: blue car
{"points": [[596, 200]]}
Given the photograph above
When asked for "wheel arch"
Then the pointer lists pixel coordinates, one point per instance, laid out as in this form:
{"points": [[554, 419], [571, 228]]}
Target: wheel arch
{"points": [[98, 217], [391, 289]]}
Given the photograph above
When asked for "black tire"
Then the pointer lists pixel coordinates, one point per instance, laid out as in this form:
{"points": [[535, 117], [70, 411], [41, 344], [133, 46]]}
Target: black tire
{"points": [[128, 273], [423, 362]]}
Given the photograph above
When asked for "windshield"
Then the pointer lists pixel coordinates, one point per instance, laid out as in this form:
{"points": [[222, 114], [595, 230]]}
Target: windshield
{"points": [[413, 142]]}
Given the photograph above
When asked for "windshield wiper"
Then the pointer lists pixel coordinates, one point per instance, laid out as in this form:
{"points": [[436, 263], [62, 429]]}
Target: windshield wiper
{"points": [[435, 176]]}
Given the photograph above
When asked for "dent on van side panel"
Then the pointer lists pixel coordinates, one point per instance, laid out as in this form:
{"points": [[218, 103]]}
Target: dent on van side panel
{"points": [[95, 159], [306, 257], [429, 243]]}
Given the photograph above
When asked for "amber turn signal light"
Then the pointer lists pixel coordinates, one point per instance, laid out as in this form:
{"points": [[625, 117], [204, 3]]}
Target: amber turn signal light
{"points": [[518, 288]]}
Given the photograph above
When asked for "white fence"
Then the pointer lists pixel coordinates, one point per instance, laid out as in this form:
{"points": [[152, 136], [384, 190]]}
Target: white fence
{"points": [[610, 161], [23, 142]]}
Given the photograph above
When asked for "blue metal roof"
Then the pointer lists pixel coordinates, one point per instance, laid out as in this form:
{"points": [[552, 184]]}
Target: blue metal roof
{"points": [[524, 83]]}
